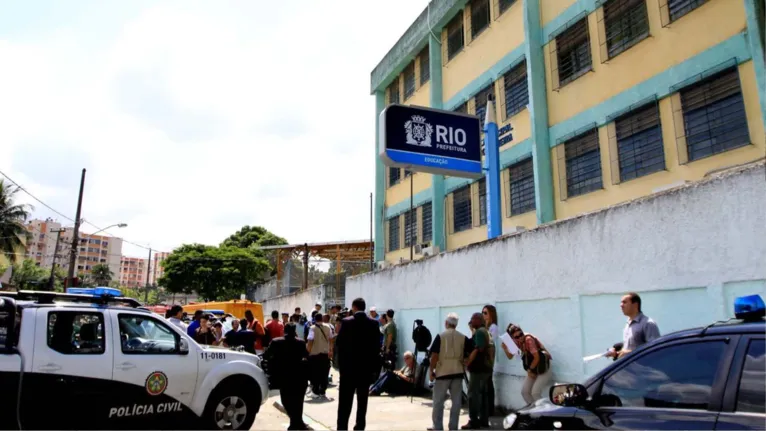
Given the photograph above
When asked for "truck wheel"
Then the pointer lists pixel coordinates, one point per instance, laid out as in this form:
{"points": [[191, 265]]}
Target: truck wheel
{"points": [[231, 408]]}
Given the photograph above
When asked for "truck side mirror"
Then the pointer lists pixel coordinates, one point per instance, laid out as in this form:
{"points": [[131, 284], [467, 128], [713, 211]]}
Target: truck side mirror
{"points": [[183, 346], [569, 395]]}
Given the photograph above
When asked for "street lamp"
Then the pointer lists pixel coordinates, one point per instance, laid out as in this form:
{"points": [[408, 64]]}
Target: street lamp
{"points": [[109, 227]]}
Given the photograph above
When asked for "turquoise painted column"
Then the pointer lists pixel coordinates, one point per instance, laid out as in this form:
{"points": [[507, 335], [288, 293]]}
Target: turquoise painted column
{"points": [[538, 110], [756, 51], [436, 101], [380, 183]]}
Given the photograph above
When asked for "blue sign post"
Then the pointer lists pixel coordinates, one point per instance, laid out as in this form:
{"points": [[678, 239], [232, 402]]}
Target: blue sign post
{"points": [[431, 140], [492, 161]]}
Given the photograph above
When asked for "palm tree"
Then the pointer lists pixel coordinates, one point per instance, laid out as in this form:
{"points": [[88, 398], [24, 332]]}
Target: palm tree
{"points": [[13, 233], [101, 274]]}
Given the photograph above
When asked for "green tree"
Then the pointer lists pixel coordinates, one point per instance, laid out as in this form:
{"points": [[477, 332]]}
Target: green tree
{"points": [[13, 216], [101, 274], [28, 276], [249, 236], [212, 272]]}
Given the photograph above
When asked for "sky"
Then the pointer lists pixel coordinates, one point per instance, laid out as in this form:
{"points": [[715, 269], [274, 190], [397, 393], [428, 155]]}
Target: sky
{"points": [[195, 118]]}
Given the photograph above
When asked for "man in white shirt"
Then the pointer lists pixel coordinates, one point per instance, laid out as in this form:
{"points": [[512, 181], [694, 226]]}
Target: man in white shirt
{"points": [[176, 313]]}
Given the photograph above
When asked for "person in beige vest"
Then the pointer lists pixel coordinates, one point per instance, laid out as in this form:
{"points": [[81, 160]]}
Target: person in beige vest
{"points": [[320, 351], [448, 353]]}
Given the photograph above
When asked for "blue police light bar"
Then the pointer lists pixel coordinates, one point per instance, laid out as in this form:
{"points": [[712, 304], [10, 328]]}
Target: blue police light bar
{"points": [[749, 307], [95, 291]]}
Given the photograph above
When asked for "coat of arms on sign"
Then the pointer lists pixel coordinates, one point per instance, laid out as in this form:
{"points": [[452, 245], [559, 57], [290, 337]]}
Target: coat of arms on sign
{"points": [[418, 131]]}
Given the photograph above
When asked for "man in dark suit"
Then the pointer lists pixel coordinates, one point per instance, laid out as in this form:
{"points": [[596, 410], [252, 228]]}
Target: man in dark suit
{"points": [[286, 358], [358, 348]]}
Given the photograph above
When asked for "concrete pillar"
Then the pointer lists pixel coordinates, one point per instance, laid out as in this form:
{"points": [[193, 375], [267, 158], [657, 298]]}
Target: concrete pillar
{"points": [[380, 183], [436, 101], [538, 110]]}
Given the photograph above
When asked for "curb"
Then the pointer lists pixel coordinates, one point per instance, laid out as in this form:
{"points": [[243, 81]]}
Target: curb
{"points": [[312, 424]]}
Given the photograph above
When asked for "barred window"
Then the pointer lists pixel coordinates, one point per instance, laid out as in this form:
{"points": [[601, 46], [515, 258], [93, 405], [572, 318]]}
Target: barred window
{"points": [[639, 143], [583, 160], [481, 100], [504, 5], [393, 92], [393, 233], [462, 108], [479, 16], [714, 115], [425, 65], [522, 187], [407, 173], [461, 209], [393, 176], [482, 202], [573, 52], [410, 228], [409, 80], [427, 225], [626, 23], [679, 8], [516, 89], [455, 36]]}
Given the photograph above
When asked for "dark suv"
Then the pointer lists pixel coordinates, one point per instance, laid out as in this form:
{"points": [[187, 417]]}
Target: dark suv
{"points": [[711, 378]]}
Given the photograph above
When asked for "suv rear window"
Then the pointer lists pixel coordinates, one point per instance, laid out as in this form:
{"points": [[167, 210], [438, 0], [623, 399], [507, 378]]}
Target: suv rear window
{"points": [[751, 396], [76, 332]]}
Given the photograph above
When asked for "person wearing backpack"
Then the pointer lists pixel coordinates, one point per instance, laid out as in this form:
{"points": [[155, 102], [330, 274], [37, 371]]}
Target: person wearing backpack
{"points": [[536, 360]]}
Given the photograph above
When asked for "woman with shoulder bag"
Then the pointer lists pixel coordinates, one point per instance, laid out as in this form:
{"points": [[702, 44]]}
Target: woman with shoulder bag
{"points": [[536, 360]]}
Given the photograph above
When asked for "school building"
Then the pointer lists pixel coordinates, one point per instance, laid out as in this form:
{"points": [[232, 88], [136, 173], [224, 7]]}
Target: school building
{"points": [[609, 101]]}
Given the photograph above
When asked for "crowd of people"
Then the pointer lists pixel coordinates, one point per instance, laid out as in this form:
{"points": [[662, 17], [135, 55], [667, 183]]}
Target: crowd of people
{"points": [[299, 351]]}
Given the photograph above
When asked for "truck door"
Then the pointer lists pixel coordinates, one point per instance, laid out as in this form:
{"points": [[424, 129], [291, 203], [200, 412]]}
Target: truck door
{"points": [[71, 368], [156, 378]]}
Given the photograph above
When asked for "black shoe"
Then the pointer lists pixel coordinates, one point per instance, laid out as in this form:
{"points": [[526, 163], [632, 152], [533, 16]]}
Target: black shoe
{"points": [[470, 426]]}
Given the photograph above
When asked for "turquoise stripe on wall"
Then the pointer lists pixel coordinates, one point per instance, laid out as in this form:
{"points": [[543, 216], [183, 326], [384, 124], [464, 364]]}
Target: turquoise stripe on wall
{"points": [[404, 206], [580, 8], [509, 156], [658, 85], [491, 75]]}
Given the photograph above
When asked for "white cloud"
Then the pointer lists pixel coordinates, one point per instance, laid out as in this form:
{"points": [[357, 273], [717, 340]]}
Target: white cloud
{"points": [[194, 118]]}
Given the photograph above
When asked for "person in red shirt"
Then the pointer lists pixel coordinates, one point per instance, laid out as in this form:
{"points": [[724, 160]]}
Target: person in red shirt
{"points": [[274, 329], [254, 325]]}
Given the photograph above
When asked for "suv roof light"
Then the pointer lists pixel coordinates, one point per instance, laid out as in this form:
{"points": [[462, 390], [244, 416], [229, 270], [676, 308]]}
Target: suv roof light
{"points": [[749, 308], [95, 291], [45, 297]]}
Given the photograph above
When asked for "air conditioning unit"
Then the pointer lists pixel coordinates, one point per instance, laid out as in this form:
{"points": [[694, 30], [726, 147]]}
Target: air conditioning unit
{"points": [[430, 251], [420, 247], [382, 265], [515, 229]]}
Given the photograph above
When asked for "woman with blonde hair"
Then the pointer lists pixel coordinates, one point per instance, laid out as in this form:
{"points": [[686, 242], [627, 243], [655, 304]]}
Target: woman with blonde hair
{"points": [[536, 360]]}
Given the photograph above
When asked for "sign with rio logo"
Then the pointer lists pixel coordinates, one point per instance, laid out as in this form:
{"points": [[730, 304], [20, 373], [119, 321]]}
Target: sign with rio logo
{"points": [[431, 140]]}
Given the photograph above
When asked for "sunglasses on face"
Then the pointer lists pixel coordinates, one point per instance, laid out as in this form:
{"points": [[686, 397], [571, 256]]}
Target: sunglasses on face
{"points": [[485, 312], [517, 336]]}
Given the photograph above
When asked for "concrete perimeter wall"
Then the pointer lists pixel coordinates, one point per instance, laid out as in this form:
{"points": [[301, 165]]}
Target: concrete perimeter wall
{"points": [[688, 251], [287, 303]]}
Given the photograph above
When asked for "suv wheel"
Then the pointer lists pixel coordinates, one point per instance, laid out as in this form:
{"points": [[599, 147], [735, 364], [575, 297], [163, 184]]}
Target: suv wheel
{"points": [[231, 408]]}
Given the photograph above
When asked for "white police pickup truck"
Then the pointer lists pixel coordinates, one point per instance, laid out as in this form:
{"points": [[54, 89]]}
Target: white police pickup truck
{"points": [[100, 362]]}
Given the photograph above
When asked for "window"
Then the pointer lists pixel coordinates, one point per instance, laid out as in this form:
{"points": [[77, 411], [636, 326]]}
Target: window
{"points": [[679, 8], [750, 395], [409, 80], [146, 335], [714, 116], [482, 202], [481, 100], [410, 228], [407, 173], [479, 16], [393, 92], [462, 108], [516, 90], [427, 225], [393, 233], [455, 36], [461, 209], [522, 189], [626, 23], [573, 52], [664, 379], [425, 65], [639, 143], [393, 176], [583, 160], [504, 5], [76, 333]]}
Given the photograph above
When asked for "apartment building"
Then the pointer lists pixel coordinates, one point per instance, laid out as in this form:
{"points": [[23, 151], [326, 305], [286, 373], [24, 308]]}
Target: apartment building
{"points": [[609, 101], [156, 267], [133, 271], [92, 249]]}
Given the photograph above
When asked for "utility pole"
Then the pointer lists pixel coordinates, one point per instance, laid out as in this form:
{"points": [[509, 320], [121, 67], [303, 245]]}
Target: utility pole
{"points": [[51, 283], [148, 262], [75, 239], [372, 241]]}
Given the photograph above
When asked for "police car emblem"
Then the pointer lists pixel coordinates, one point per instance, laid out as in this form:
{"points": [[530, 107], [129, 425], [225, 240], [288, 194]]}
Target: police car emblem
{"points": [[156, 383]]}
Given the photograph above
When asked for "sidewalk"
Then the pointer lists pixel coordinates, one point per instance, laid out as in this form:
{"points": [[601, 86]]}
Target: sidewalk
{"points": [[383, 413]]}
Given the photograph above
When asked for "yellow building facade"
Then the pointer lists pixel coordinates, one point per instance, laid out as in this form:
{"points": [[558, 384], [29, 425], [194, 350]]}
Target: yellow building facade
{"points": [[608, 101]]}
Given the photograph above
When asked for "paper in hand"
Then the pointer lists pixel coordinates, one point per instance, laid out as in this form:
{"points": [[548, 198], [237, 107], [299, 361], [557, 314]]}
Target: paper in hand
{"points": [[592, 357], [508, 341]]}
